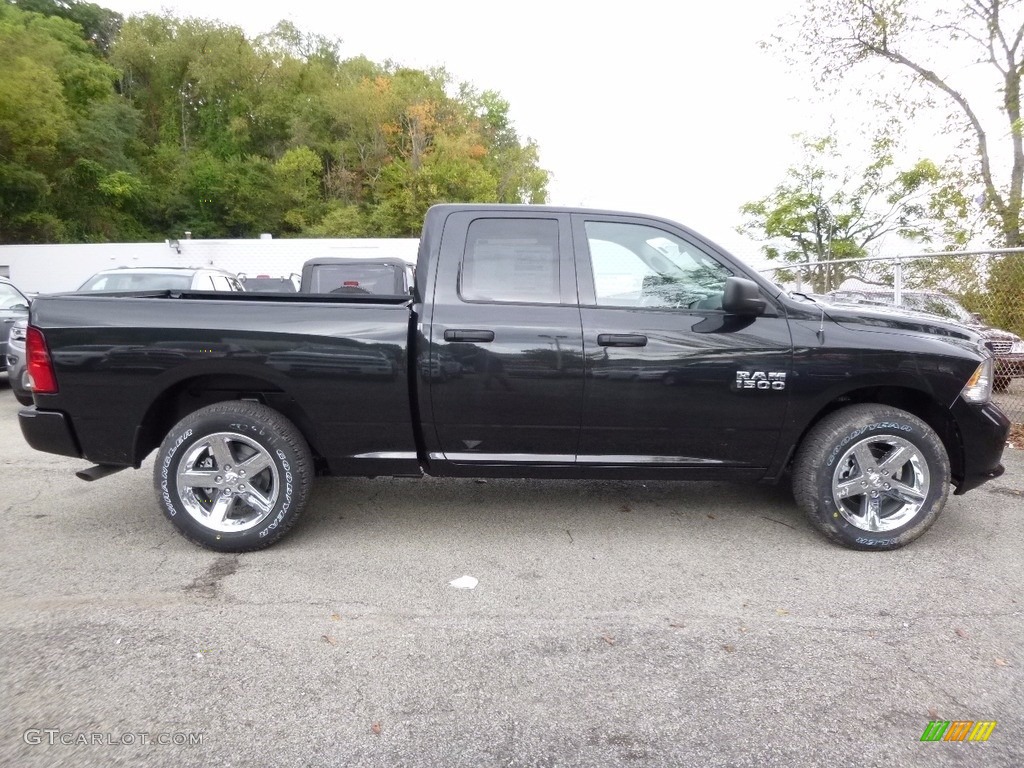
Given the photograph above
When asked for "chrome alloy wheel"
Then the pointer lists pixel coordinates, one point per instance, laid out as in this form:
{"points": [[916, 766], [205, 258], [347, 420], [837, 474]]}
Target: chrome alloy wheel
{"points": [[880, 483], [228, 482]]}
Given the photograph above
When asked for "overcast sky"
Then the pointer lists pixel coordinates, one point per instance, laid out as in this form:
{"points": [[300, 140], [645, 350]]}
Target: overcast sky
{"points": [[669, 109]]}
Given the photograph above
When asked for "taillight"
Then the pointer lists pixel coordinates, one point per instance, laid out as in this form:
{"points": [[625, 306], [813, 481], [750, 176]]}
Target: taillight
{"points": [[39, 364]]}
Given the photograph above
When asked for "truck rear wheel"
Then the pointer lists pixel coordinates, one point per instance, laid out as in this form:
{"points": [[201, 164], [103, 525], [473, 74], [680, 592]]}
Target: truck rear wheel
{"points": [[234, 476], [871, 477]]}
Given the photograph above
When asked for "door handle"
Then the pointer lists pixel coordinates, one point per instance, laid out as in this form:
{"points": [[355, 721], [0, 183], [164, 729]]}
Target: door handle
{"points": [[621, 340], [460, 334]]}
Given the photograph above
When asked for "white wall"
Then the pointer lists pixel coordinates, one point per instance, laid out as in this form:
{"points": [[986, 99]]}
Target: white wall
{"points": [[53, 268]]}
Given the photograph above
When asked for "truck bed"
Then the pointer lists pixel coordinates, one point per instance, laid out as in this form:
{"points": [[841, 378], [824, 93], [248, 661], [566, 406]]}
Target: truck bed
{"points": [[337, 365]]}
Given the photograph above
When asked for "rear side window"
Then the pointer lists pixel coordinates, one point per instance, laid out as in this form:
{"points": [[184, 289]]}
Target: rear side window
{"points": [[513, 260]]}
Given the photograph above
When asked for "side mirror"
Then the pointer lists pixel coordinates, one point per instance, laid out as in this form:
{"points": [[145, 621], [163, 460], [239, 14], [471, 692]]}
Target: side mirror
{"points": [[743, 297]]}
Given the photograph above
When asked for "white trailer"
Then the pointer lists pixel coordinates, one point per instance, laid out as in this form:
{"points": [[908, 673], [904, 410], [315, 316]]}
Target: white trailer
{"points": [[55, 268]]}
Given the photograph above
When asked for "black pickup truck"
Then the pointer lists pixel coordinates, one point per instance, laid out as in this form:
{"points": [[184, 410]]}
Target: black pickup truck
{"points": [[537, 342]]}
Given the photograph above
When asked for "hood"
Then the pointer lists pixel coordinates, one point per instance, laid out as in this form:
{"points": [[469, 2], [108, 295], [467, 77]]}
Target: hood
{"points": [[15, 312], [864, 317], [985, 331], [9, 317], [996, 334]]}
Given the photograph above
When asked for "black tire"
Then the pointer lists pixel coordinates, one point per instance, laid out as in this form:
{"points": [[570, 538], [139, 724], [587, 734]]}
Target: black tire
{"points": [[240, 510], [890, 501]]}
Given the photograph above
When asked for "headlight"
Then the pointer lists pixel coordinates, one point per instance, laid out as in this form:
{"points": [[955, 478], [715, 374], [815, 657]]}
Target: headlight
{"points": [[1017, 348], [979, 387], [18, 332]]}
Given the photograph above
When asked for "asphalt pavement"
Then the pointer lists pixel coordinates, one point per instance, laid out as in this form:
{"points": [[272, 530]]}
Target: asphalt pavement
{"points": [[639, 624]]}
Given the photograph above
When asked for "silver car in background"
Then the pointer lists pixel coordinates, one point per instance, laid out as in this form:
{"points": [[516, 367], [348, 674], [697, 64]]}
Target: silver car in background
{"points": [[13, 309], [162, 279], [17, 371]]}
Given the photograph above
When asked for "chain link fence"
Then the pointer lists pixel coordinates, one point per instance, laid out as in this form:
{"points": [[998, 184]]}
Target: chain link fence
{"points": [[980, 289]]}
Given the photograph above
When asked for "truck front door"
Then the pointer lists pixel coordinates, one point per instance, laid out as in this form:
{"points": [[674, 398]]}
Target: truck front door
{"points": [[504, 362], [671, 380]]}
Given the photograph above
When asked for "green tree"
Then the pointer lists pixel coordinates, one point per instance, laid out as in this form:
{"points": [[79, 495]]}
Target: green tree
{"points": [[825, 211], [298, 175], [52, 89], [212, 131], [99, 25], [916, 50], [514, 165]]}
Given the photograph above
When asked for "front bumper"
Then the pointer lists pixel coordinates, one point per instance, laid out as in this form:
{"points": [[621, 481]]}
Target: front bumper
{"points": [[49, 431], [983, 431]]}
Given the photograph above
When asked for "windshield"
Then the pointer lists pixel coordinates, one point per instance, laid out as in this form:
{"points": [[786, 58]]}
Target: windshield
{"points": [[137, 281], [10, 297]]}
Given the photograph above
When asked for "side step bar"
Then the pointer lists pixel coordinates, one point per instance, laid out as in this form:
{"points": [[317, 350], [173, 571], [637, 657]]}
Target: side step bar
{"points": [[98, 472]]}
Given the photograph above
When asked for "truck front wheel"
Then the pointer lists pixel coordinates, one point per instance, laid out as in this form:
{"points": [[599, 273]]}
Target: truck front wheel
{"points": [[871, 477], [233, 476]]}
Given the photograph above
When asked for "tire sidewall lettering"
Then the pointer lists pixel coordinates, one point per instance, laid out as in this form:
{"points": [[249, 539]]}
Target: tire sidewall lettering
{"points": [[888, 542], [165, 491], [286, 502], [880, 426]]}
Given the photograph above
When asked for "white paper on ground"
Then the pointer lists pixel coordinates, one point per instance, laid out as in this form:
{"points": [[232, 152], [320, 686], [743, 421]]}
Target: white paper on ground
{"points": [[465, 582]]}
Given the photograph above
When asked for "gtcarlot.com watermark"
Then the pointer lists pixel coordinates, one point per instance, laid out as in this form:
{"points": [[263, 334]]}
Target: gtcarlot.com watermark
{"points": [[52, 736]]}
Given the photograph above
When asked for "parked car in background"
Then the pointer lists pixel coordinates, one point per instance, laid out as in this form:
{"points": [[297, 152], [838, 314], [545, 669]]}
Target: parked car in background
{"points": [[17, 372], [1006, 347], [268, 284], [13, 307], [162, 279]]}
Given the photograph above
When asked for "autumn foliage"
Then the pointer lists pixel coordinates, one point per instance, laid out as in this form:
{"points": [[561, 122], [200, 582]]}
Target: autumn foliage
{"points": [[121, 130]]}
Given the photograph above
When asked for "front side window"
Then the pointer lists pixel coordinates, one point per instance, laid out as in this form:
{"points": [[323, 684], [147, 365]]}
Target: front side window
{"points": [[513, 260], [636, 265]]}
